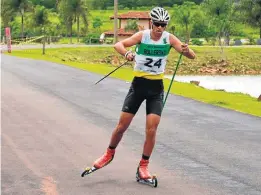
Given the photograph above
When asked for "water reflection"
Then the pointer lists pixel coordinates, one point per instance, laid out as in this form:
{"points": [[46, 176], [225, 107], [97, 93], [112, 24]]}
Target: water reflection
{"points": [[245, 84]]}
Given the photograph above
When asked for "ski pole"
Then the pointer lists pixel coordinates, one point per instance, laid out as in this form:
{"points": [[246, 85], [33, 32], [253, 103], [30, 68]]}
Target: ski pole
{"points": [[111, 72], [172, 79]]}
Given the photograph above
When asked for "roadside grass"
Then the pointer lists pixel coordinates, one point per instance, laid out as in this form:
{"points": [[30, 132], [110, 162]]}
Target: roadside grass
{"points": [[95, 59]]}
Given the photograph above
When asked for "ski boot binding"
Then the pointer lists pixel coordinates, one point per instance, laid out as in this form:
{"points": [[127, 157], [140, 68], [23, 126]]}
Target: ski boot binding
{"points": [[147, 178], [88, 171], [104, 160]]}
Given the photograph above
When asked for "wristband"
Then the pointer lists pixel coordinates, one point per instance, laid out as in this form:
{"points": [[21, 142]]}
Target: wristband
{"points": [[126, 54]]}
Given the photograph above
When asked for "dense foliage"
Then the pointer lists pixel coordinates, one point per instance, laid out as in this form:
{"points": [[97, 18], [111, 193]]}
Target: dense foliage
{"points": [[190, 19]]}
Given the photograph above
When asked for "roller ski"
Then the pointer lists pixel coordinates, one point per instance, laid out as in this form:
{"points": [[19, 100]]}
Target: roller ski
{"points": [[104, 160], [143, 176]]}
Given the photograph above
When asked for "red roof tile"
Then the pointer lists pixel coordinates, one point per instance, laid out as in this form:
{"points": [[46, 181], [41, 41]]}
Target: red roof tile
{"points": [[134, 15], [121, 32]]}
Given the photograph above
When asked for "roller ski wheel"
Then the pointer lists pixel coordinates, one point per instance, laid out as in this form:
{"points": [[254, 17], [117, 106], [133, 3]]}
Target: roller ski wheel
{"points": [[88, 171], [153, 181]]}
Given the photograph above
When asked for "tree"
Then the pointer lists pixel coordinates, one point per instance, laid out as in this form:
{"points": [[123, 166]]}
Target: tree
{"points": [[40, 19], [97, 23], [66, 16], [20, 6], [184, 15], [79, 11], [6, 13], [101, 4], [71, 11], [220, 13], [50, 4], [55, 27], [251, 12], [196, 1], [115, 27]]}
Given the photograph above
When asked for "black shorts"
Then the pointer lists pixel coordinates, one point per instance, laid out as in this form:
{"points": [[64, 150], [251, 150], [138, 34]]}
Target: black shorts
{"points": [[144, 89]]}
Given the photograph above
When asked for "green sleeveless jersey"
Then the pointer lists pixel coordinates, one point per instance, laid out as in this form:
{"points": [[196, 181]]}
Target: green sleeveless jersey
{"points": [[151, 56]]}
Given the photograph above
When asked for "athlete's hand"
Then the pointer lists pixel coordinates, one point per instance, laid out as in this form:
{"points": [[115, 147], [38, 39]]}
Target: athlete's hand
{"points": [[130, 56], [184, 48]]}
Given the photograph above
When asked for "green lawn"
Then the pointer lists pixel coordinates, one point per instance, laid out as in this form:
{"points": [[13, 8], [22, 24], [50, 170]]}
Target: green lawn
{"points": [[99, 60]]}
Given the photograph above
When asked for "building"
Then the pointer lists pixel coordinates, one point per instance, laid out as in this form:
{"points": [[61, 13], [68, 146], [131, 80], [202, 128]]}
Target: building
{"points": [[143, 21]]}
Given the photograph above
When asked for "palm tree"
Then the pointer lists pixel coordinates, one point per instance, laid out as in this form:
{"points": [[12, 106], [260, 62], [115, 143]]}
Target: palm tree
{"points": [[20, 6], [220, 13], [184, 16], [72, 11], [6, 12], [80, 10], [251, 12], [40, 19]]}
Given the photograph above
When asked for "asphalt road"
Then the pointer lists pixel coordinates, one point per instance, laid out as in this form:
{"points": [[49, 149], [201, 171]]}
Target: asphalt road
{"points": [[55, 122]]}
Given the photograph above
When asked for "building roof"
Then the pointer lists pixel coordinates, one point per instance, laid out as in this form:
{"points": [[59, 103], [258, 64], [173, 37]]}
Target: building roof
{"points": [[121, 32], [134, 15]]}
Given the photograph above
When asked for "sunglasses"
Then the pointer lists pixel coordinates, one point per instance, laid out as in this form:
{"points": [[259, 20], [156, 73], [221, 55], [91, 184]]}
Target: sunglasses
{"points": [[160, 24]]}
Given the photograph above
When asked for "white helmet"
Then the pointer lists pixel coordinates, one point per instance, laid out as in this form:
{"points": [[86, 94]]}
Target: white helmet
{"points": [[159, 14]]}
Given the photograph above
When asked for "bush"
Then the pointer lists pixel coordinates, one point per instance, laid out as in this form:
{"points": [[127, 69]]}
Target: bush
{"points": [[92, 38], [237, 39], [199, 30], [239, 33], [196, 42], [251, 40], [109, 40], [120, 7]]}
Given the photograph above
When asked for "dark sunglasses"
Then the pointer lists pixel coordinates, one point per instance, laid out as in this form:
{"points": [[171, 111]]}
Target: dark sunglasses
{"points": [[159, 24]]}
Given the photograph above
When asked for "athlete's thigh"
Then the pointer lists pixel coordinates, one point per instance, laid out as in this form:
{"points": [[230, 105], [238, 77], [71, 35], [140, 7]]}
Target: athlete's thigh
{"points": [[154, 103], [133, 101]]}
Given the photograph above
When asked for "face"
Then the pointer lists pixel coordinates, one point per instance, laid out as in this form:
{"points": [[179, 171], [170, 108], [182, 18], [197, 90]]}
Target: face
{"points": [[158, 27]]}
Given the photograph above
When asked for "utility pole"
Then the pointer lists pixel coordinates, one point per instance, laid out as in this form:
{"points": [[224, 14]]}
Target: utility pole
{"points": [[115, 21]]}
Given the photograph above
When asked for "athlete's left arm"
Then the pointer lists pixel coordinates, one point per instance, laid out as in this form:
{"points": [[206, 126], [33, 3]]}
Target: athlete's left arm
{"points": [[181, 48], [121, 46]]}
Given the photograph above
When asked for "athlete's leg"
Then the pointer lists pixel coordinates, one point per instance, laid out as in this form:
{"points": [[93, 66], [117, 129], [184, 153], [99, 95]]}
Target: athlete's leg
{"points": [[107, 157], [154, 106], [130, 107], [124, 122], [152, 123]]}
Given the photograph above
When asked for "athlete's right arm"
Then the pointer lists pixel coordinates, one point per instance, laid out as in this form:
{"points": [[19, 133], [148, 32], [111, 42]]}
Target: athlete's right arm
{"points": [[121, 46]]}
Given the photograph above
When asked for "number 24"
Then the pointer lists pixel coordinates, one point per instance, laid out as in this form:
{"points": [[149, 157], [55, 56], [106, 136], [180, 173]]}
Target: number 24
{"points": [[149, 62]]}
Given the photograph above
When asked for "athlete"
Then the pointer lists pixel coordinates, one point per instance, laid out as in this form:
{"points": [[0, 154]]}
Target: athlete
{"points": [[153, 46]]}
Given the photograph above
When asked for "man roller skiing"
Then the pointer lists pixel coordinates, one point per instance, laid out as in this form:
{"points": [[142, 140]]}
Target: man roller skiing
{"points": [[153, 46]]}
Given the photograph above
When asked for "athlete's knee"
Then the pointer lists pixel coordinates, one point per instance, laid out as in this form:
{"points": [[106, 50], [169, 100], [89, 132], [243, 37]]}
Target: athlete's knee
{"points": [[124, 122], [151, 131]]}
